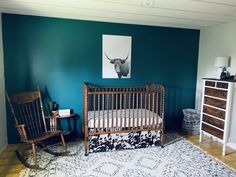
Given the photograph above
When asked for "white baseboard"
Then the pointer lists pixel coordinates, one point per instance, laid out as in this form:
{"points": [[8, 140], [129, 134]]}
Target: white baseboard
{"points": [[3, 148], [232, 145]]}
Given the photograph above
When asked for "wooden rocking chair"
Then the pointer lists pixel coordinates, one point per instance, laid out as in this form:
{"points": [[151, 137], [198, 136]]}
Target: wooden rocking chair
{"points": [[28, 114]]}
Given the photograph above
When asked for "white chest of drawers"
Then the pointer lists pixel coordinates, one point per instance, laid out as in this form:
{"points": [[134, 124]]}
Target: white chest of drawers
{"points": [[217, 112]]}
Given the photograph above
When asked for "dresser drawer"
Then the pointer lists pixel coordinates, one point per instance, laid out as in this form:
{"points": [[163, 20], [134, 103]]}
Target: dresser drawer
{"points": [[222, 85], [210, 83], [214, 112], [212, 131], [216, 93], [213, 121], [215, 102]]}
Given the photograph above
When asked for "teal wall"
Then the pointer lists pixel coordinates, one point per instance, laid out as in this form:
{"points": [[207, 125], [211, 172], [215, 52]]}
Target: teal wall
{"points": [[58, 55]]}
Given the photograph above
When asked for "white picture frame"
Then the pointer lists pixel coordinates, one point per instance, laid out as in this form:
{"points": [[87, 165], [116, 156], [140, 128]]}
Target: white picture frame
{"points": [[116, 56]]}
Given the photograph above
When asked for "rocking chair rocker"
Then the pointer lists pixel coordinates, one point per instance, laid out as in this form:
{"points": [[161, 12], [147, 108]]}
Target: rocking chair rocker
{"points": [[28, 114]]}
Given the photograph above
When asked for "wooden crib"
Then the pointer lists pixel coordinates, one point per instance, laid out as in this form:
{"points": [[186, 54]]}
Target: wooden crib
{"points": [[118, 110]]}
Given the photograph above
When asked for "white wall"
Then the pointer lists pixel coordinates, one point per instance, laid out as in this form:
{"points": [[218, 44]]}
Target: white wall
{"points": [[216, 41], [3, 129]]}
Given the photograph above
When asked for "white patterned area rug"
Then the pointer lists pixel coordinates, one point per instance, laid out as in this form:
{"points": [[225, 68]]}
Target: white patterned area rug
{"points": [[177, 159]]}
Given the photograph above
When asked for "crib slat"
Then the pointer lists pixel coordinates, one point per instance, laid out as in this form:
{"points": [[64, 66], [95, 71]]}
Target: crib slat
{"points": [[162, 106], [137, 101], [116, 111], [145, 113], [125, 111], [129, 110], [107, 102], [157, 111], [153, 106], [120, 111], [103, 118], [149, 109], [133, 112], [141, 111], [94, 112], [99, 113], [112, 108]]}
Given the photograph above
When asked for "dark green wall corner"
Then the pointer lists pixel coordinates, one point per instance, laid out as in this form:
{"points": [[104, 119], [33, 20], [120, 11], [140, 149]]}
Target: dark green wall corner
{"points": [[58, 55]]}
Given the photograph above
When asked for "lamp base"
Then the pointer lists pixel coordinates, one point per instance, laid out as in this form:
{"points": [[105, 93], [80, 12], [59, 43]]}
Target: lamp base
{"points": [[224, 75]]}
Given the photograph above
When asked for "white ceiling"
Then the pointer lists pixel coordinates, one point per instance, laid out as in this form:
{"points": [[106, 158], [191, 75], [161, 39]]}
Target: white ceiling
{"points": [[194, 14]]}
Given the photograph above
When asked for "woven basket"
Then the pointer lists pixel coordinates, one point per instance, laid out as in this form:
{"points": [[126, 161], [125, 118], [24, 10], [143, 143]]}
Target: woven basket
{"points": [[191, 121]]}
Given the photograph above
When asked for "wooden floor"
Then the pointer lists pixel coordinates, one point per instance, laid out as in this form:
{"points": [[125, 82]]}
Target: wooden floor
{"points": [[214, 148], [10, 166]]}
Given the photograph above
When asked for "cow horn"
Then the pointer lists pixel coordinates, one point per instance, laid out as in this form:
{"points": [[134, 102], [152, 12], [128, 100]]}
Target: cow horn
{"points": [[126, 58], [107, 57]]}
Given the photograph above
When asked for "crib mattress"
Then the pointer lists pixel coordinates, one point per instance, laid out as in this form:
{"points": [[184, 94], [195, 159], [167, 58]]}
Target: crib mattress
{"points": [[123, 118]]}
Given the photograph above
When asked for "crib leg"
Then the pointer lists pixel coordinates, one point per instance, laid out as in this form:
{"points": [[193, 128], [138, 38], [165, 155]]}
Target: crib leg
{"points": [[162, 139], [86, 146]]}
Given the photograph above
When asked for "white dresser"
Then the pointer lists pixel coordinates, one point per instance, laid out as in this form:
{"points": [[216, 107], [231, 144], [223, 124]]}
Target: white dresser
{"points": [[218, 112]]}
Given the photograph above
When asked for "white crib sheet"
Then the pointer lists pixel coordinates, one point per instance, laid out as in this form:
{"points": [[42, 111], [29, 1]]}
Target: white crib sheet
{"points": [[119, 115]]}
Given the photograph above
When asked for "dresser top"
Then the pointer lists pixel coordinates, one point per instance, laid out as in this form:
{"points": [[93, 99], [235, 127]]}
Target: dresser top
{"points": [[223, 80]]}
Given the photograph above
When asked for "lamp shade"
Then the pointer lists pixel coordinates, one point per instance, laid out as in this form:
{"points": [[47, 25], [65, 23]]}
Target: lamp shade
{"points": [[221, 62]]}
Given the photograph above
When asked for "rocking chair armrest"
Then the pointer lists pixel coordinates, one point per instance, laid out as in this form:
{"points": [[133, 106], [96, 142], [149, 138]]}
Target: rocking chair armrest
{"points": [[20, 126], [21, 131]]}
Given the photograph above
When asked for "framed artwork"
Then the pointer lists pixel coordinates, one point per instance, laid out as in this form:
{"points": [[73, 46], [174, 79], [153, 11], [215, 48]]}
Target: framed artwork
{"points": [[116, 56]]}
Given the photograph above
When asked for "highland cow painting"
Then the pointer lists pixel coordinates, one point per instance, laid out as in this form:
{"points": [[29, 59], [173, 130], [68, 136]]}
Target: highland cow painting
{"points": [[116, 55]]}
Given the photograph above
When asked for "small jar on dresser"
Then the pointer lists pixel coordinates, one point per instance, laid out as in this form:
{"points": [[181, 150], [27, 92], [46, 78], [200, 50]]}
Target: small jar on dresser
{"points": [[218, 112]]}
